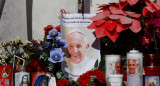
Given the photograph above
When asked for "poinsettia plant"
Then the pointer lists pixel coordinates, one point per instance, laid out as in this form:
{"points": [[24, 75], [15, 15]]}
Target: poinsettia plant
{"points": [[128, 24]]}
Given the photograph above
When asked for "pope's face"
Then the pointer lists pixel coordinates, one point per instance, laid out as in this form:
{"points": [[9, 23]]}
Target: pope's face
{"points": [[77, 47], [132, 66], [25, 79], [118, 66]]}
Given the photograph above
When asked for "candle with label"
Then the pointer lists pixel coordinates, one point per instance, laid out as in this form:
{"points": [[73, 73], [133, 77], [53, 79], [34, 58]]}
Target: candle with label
{"points": [[22, 78], [134, 68], [38, 77], [152, 69], [113, 66], [115, 80], [5, 75]]}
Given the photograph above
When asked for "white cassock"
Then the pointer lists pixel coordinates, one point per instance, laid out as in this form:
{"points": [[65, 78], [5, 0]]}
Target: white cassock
{"points": [[75, 70], [134, 80]]}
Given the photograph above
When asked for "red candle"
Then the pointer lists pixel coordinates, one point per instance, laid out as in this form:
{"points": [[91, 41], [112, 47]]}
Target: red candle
{"points": [[151, 60], [151, 67]]}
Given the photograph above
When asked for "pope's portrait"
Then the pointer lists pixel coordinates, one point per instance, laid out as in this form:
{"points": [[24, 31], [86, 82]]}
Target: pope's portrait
{"points": [[132, 66], [133, 73], [77, 61], [118, 67], [77, 46]]}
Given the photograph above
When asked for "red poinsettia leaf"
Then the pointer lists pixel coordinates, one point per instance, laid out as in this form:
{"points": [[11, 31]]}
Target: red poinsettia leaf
{"points": [[133, 14], [103, 6], [100, 22], [150, 9], [100, 32], [115, 10], [157, 6], [136, 26], [132, 2], [92, 25], [113, 36], [115, 17], [125, 20], [114, 4], [129, 12], [126, 26], [145, 12], [110, 25], [136, 15], [99, 16], [122, 0], [122, 4], [106, 12], [148, 3], [120, 28]]}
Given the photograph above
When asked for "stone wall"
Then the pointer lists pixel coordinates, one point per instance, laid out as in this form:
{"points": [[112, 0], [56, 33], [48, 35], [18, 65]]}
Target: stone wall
{"points": [[27, 18], [13, 20]]}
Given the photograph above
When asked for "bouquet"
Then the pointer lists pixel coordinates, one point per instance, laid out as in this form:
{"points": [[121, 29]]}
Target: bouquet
{"points": [[52, 48], [13, 47]]}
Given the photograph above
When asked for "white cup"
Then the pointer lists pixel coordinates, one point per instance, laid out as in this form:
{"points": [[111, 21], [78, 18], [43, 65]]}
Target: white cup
{"points": [[115, 80]]}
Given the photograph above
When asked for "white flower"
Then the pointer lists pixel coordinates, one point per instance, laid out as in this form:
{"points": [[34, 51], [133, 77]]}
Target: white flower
{"points": [[17, 39], [3, 61], [0, 45], [10, 61], [3, 56], [25, 55], [4, 43], [25, 42], [10, 42], [1, 51]]}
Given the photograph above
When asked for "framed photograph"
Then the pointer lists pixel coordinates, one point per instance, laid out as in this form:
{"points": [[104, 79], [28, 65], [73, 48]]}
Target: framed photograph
{"points": [[83, 49], [17, 63]]}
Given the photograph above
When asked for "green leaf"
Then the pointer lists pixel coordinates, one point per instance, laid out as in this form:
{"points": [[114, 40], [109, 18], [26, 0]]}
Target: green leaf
{"points": [[96, 65], [102, 64]]}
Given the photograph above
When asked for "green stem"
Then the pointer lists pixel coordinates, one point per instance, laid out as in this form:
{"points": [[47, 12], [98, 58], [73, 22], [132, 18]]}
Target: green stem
{"points": [[156, 47], [8, 51]]}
